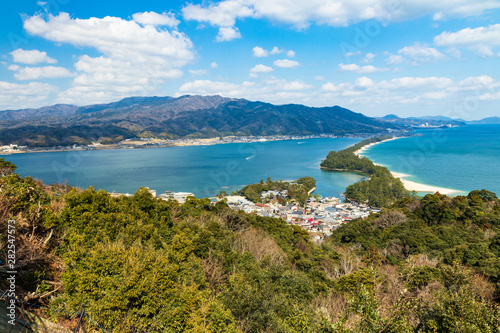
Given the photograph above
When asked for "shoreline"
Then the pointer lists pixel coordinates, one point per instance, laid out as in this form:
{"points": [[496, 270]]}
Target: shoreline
{"points": [[408, 184], [157, 143], [362, 149]]}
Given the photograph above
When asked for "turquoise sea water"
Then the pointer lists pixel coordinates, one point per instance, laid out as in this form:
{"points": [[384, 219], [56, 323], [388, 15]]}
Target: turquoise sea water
{"points": [[461, 158], [203, 170]]}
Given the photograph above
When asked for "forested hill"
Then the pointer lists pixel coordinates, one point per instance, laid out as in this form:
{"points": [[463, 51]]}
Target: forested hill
{"points": [[185, 116], [140, 264], [380, 189]]}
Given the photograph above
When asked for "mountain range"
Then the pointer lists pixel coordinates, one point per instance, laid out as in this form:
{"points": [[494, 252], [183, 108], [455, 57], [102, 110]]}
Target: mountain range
{"points": [[437, 120], [169, 117], [485, 121], [422, 121], [193, 117]]}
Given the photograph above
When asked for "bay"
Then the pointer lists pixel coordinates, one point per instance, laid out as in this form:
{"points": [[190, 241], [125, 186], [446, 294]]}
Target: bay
{"points": [[462, 158], [202, 170]]}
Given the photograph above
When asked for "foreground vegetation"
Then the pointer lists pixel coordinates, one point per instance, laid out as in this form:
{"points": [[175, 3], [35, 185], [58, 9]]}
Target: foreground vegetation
{"points": [[380, 189], [138, 264]]}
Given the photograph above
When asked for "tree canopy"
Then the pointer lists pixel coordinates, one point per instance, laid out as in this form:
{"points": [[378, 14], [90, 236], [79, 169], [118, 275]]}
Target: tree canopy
{"points": [[141, 264], [380, 190]]}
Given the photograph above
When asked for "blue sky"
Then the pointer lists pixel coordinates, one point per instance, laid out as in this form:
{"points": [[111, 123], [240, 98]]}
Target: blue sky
{"points": [[371, 56]]}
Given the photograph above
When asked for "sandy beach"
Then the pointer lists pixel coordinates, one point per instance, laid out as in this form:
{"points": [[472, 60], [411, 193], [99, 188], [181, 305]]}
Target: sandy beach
{"points": [[412, 186], [360, 151], [408, 184]]}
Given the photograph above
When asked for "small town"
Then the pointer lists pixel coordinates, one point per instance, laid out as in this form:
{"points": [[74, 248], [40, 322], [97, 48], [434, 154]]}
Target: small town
{"points": [[151, 142], [319, 216]]}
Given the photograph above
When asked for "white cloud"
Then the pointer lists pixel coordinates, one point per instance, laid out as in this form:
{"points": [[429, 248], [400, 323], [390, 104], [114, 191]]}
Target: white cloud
{"points": [[410, 95], [155, 19], [369, 58], [223, 14], [227, 33], [435, 95], [16, 96], [490, 96], [276, 50], [481, 39], [418, 54], [261, 69], [259, 52], [415, 90], [360, 69], [114, 37], [286, 63], [270, 89], [296, 85], [409, 83], [455, 53], [36, 73], [207, 87], [329, 87], [301, 14], [351, 54], [394, 59], [364, 82], [198, 71], [213, 65], [136, 59], [319, 78], [31, 57]]}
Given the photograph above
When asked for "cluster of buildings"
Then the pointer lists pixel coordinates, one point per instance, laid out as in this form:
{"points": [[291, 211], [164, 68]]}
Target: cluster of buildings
{"points": [[11, 148], [181, 197], [151, 142], [318, 216], [154, 142]]}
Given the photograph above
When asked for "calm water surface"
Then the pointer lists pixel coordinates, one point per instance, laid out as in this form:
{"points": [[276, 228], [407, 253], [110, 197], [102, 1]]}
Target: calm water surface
{"points": [[462, 158], [203, 170]]}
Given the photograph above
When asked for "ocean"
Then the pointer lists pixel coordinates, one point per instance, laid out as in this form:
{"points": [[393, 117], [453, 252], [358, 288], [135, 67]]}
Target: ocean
{"points": [[202, 170], [461, 158]]}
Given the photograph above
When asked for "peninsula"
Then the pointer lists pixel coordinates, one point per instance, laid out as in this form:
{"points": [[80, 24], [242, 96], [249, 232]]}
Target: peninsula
{"points": [[409, 185]]}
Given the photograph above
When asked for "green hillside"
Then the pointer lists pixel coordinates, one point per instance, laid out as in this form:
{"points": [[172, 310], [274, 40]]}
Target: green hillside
{"points": [[139, 264], [171, 118]]}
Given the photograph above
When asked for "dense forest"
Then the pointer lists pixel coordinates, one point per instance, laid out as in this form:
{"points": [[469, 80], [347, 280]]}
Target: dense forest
{"points": [[380, 189], [140, 264], [347, 160], [297, 191]]}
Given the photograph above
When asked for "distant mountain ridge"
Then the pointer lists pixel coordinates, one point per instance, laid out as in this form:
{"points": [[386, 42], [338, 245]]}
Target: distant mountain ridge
{"points": [[485, 121], [435, 120], [422, 121], [169, 117]]}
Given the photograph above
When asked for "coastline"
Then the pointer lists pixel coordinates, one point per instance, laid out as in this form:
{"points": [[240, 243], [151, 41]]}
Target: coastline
{"points": [[419, 187], [362, 149], [159, 143], [408, 184]]}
